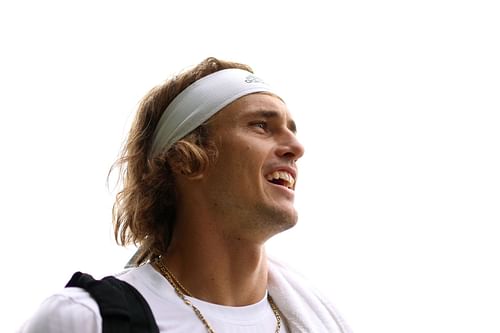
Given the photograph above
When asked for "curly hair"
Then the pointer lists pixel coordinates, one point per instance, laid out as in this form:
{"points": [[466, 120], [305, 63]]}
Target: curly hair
{"points": [[145, 208]]}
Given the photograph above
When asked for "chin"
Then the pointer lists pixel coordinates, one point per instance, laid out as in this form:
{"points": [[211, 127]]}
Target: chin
{"points": [[283, 220], [268, 220]]}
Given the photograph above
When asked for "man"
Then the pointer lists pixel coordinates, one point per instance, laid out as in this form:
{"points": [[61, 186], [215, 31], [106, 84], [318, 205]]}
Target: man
{"points": [[209, 173]]}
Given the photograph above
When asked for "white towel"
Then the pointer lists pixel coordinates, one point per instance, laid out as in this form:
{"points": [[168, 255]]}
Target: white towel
{"points": [[304, 309]]}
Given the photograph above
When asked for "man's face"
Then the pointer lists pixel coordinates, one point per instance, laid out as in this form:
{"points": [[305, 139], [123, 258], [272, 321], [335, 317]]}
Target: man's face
{"points": [[253, 180]]}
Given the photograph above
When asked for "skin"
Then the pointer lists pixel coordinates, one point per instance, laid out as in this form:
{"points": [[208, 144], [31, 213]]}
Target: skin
{"points": [[227, 213]]}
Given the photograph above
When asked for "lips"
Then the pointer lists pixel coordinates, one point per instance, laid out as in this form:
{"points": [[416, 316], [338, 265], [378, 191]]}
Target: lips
{"points": [[282, 178]]}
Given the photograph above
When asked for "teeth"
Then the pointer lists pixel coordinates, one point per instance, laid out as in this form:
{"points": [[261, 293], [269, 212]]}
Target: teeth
{"points": [[282, 175]]}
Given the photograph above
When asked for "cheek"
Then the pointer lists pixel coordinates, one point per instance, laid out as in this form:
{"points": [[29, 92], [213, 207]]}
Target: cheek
{"points": [[242, 158], [246, 164]]}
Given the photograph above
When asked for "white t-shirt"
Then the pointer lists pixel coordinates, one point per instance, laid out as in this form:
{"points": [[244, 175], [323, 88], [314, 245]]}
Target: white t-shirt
{"points": [[74, 310]]}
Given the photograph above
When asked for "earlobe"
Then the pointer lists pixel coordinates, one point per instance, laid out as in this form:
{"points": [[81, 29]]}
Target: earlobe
{"points": [[196, 176]]}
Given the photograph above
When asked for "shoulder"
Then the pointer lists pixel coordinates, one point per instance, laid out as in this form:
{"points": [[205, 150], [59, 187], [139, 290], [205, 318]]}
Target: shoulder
{"points": [[70, 310], [144, 278], [304, 307]]}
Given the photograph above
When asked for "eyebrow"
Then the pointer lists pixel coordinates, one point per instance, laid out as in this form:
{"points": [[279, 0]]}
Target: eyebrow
{"points": [[292, 126]]}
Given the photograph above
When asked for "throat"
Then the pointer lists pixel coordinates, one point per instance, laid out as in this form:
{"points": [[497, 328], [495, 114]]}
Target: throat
{"points": [[233, 279]]}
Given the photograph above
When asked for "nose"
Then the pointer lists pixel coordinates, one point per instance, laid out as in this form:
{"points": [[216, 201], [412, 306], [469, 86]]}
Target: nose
{"points": [[290, 147]]}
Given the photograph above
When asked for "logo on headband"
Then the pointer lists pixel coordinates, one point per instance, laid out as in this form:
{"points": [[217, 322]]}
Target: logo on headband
{"points": [[253, 79]]}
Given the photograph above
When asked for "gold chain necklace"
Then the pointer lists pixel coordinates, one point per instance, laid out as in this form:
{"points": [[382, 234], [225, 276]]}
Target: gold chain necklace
{"points": [[182, 292]]}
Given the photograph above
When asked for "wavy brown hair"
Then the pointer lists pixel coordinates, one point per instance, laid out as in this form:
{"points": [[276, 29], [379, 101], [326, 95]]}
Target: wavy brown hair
{"points": [[144, 210]]}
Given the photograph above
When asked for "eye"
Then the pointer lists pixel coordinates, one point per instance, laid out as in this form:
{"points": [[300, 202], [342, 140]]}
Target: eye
{"points": [[260, 125]]}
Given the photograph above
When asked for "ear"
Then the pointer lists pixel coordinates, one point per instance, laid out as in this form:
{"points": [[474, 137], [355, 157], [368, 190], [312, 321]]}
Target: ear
{"points": [[183, 168], [187, 160], [197, 176]]}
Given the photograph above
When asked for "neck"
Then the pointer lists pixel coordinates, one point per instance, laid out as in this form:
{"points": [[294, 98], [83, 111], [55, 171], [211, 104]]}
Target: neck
{"points": [[216, 268]]}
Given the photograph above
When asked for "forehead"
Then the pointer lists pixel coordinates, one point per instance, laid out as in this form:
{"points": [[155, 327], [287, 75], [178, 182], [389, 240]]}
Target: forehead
{"points": [[254, 105]]}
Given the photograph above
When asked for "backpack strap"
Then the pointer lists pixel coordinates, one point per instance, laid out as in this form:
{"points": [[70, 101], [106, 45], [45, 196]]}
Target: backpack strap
{"points": [[122, 307]]}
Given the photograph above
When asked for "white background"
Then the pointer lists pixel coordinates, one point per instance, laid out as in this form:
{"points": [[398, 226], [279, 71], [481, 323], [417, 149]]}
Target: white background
{"points": [[397, 103]]}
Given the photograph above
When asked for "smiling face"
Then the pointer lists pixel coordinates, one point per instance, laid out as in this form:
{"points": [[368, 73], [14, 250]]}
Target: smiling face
{"points": [[252, 183]]}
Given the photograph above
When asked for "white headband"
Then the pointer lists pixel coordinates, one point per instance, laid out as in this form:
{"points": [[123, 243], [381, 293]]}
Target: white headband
{"points": [[200, 101]]}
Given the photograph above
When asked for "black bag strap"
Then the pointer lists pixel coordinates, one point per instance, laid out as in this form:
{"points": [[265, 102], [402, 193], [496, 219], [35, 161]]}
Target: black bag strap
{"points": [[122, 307]]}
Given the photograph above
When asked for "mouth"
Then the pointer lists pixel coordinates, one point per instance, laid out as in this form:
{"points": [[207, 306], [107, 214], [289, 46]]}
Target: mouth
{"points": [[282, 178]]}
